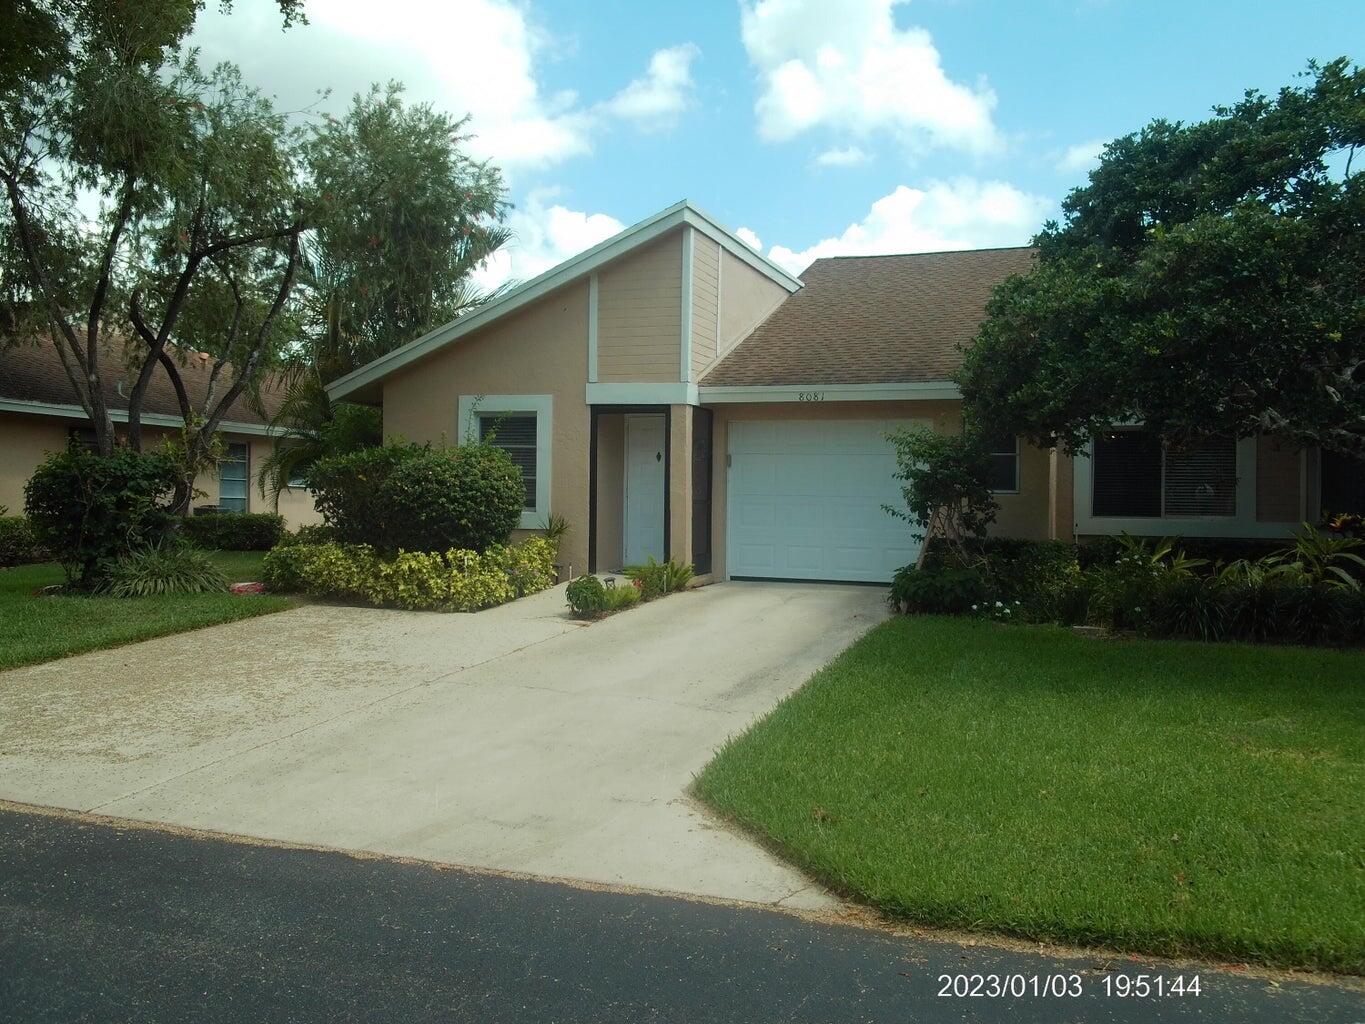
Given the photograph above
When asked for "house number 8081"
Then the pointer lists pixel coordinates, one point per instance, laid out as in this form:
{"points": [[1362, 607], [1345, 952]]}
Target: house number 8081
{"points": [[810, 396]]}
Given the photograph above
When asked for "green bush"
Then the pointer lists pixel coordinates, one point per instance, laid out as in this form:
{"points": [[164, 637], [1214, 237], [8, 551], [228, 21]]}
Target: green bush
{"points": [[655, 579], [453, 580], [88, 509], [419, 498], [949, 590], [317, 533], [619, 598], [587, 597], [18, 544], [166, 567], [469, 497], [233, 531]]}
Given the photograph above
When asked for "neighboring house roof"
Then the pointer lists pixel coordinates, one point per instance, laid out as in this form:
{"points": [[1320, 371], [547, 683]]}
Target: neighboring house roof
{"points": [[872, 320], [359, 383], [33, 380]]}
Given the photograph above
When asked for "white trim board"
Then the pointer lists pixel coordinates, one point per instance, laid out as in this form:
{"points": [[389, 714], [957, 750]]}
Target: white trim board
{"points": [[592, 328], [149, 419], [689, 253], [543, 406], [674, 393], [910, 390], [681, 213]]}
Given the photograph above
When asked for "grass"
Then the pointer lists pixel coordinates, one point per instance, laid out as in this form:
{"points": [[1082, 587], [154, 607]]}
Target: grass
{"points": [[1164, 797], [35, 629]]}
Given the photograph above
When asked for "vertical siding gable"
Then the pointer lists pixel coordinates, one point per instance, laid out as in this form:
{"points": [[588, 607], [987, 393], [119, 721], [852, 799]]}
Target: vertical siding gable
{"points": [[639, 314], [706, 299]]}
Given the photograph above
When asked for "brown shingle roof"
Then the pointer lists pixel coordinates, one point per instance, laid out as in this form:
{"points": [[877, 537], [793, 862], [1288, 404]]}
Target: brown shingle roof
{"points": [[873, 320], [34, 373]]}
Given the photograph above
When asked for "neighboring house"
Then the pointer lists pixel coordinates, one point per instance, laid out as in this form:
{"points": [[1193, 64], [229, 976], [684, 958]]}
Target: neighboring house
{"points": [[39, 415], [672, 393]]}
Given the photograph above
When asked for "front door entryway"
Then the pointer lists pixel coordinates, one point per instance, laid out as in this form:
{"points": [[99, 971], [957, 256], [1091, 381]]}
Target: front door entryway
{"points": [[644, 488]]}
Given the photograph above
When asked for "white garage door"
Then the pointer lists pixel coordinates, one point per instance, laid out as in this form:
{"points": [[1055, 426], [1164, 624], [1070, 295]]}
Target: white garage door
{"points": [[805, 501]]}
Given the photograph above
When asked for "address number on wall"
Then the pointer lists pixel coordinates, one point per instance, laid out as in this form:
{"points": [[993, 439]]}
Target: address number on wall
{"points": [[810, 396]]}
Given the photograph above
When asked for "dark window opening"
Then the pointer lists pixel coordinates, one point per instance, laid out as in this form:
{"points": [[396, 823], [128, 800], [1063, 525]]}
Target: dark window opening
{"points": [[514, 433]]}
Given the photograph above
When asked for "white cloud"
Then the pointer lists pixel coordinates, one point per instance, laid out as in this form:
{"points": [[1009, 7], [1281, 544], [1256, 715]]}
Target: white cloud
{"points": [[656, 100], [749, 238], [1081, 157], [960, 214], [543, 235], [480, 57], [842, 156], [853, 70]]}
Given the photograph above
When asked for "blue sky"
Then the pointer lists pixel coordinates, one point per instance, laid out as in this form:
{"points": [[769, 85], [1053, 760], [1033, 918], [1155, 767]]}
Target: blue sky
{"points": [[819, 127]]}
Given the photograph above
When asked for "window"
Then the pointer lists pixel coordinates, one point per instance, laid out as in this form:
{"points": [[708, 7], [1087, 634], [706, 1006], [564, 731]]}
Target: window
{"points": [[1004, 476], [232, 478], [1136, 477], [298, 477], [1343, 483], [514, 433]]}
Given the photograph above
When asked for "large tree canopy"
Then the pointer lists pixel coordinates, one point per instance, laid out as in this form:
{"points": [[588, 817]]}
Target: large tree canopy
{"points": [[170, 211], [1208, 280]]}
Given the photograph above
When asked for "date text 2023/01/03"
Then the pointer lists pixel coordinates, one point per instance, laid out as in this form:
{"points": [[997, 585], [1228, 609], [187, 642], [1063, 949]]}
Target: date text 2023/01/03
{"points": [[1064, 986]]}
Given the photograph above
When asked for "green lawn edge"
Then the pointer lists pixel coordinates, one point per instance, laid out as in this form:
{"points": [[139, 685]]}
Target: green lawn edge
{"points": [[784, 782]]}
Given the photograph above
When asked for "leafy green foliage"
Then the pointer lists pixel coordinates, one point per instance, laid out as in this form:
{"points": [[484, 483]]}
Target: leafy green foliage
{"points": [[946, 492], [452, 580], [88, 508], [1205, 282], [587, 597], [165, 567], [946, 590], [620, 598], [18, 543], [420, 498], [655, 579], [233, 531]]}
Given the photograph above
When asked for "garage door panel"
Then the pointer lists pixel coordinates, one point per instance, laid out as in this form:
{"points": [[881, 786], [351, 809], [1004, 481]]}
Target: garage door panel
{"points": [[806, 501]]}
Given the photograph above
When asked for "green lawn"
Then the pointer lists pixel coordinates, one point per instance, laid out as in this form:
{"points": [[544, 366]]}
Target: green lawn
{"points": [[34, 629], [1163, 797]]}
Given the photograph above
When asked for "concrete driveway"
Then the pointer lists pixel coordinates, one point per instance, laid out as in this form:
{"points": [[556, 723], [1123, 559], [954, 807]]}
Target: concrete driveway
{"points": [[514, 739]]}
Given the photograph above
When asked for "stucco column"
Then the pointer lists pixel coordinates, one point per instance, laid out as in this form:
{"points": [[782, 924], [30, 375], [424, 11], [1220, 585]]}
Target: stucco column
{"points": [[680, 482]]}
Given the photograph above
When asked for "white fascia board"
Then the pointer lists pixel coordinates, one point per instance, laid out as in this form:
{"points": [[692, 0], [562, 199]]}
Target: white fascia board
{"points": [[679, 393], [150, 419], [685, 346], [556, 277], [932, 390], [712, 229]]}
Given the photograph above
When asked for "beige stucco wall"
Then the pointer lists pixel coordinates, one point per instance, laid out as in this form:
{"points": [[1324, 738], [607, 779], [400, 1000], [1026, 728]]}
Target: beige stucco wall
{"points": [[746, 299], [1027, 514], [705, 302], [538, 350], [639, 315], [1062, 487], [1279, 481], [25, 441]]}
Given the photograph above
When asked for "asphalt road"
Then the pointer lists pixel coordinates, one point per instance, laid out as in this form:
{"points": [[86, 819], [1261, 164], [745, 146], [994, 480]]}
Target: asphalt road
{"points": [[99, 923]]}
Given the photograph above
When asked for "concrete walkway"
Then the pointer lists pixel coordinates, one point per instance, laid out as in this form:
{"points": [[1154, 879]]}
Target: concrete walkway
{"points": [[514, 739]]}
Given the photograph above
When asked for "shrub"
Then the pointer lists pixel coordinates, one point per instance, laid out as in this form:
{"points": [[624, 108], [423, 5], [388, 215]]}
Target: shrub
{"points": [[950, 590], [166, 567], [89, 509], [453, 580], [317, 533], [234, 531], [947, 490], [618, 598], [655, 579], [18, 543], [420, 498], [587, 597], [469, 497]]}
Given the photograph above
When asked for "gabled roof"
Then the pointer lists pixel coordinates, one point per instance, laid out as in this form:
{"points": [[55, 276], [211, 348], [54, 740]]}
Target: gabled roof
{"points": [[33, 380], [872, 320], [359, 383]]}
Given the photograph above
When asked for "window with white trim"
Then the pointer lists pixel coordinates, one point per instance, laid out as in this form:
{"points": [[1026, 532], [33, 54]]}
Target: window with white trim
{"points": [[514, 433], [233, 477], [1004, 472], [1136, 477]]}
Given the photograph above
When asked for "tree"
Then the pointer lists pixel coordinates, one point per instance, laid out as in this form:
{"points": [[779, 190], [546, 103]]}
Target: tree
{"points": [[1208, 280], [217, 214], [947, 491]]}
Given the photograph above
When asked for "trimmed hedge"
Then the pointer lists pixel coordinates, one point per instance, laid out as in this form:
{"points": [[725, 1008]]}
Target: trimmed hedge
{"points": [[18, 543], [453, 580], [233, 531]]}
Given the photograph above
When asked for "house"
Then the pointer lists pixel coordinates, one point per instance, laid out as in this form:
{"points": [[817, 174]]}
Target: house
{"points": [[38, 416], [672, 393]]}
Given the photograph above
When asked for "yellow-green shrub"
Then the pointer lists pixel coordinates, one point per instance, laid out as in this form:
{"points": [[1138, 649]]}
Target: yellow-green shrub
{"points": [[454, 580]]}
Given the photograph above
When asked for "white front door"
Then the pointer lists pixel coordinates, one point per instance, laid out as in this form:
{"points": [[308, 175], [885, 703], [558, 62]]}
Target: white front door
{"points": [[806, 501], [644, 515]]}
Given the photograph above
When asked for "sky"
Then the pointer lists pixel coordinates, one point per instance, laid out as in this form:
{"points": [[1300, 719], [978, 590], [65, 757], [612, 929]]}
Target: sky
{"points": [[810, 127]]}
